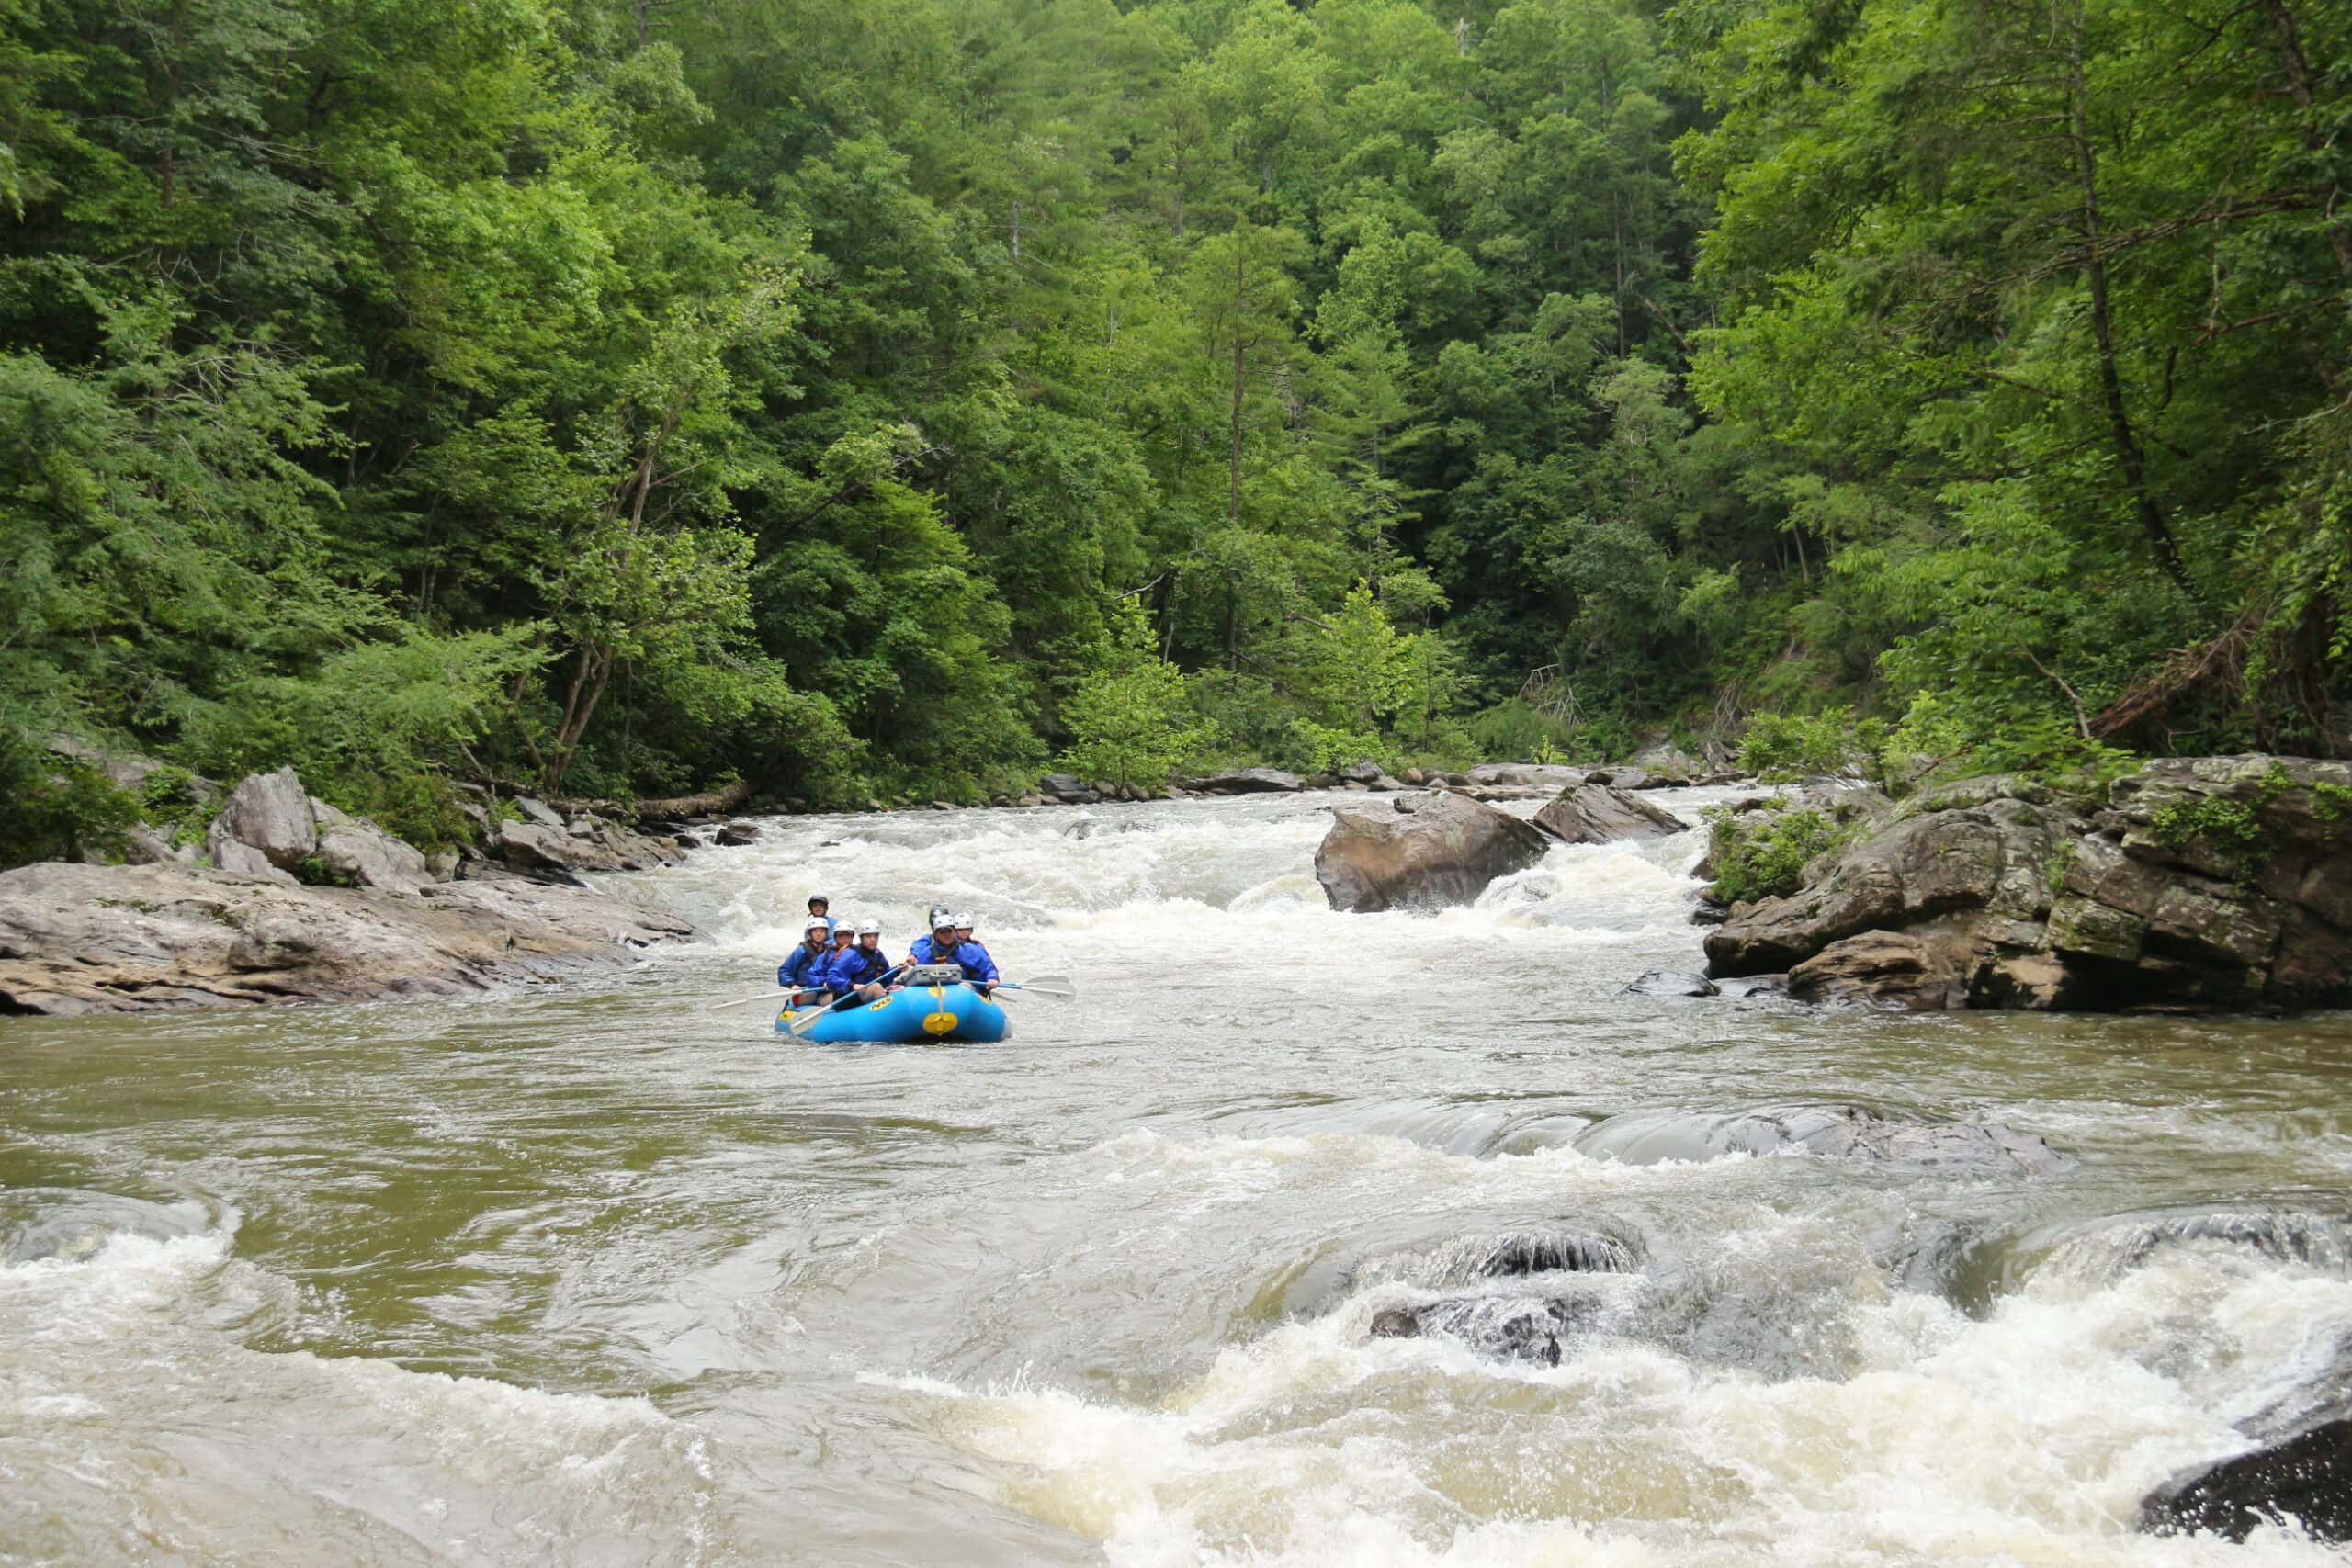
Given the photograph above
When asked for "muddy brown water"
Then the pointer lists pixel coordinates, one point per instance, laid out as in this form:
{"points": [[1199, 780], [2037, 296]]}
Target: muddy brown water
{"points": [[589, 1274]]}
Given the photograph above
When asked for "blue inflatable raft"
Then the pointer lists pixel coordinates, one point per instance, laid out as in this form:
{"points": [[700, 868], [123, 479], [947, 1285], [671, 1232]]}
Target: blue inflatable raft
{"points": [[952, 1011]]}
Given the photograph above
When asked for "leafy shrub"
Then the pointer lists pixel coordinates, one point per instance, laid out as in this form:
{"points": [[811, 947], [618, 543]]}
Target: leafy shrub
{"points": [[1762, 854], [1781, 746], [53, 808], [1130, 718]]}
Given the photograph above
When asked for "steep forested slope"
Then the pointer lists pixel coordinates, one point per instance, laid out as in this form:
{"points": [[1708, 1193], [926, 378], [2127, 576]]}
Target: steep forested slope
{"points": [[884, 395]]}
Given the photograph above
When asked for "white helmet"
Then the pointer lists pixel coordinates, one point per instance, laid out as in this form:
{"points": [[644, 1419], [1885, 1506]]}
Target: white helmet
{"points": [[819, 923], [869, 929], [963, 922]]}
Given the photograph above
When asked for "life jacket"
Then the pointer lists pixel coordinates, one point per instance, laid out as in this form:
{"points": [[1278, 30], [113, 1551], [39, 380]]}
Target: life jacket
{"points": [[803, 966]]}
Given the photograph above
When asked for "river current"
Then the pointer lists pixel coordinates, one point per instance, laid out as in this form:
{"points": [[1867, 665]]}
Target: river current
{"points": [[590, 1274]]}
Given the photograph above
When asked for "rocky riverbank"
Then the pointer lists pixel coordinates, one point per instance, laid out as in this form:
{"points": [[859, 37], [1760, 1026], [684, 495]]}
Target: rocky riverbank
{"points": [[301, 902], [84, 939], [2196, 884]]}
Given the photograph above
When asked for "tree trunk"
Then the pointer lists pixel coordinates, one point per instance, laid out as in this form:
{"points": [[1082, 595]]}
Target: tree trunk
{"points": [[2127, 453]]}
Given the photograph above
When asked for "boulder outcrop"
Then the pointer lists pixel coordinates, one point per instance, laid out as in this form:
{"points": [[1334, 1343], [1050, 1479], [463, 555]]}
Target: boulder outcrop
{"points": [[2196, 883], [267, 824], [84, 939], [1444, 852], [1248, 781], [1596, 814]]}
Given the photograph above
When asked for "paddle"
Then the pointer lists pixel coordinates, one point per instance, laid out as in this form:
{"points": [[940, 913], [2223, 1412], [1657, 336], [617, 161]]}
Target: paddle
{"points": [[1045, 985], [771, 994], [808, 1021]]}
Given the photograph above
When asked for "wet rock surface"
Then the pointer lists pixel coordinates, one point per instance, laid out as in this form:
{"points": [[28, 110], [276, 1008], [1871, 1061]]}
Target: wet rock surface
{"points": [[2306, 1477], [84, 939], [1671, 983], [2197, 883], [1445, 852], [1830, 1132], [1596, 814]]}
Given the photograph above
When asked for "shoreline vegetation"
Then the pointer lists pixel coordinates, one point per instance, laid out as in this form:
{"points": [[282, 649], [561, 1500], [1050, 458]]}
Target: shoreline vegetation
{"points": [[591, 403]]}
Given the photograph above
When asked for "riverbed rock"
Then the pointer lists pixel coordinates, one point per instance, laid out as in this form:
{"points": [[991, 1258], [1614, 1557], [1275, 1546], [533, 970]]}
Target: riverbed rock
{"points": [[1827, 1132], [1245, 781], [2306, 1477], [1514, 1294], [1671, 983], [2196, 883], [737, 834], [1596, 814], [1445, 852], [539, 812], [268, 814], [85, 939]]}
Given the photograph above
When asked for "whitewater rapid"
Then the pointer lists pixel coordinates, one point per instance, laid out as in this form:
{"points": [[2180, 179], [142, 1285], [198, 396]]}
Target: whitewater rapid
{"points": [[593, 1274]]}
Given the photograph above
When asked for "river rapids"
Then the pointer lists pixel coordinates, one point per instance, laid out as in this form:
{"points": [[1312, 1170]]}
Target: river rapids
{"points": [[590, 1274]]}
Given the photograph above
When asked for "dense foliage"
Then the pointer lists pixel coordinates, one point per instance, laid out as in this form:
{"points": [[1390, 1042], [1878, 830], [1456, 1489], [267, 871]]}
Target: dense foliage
{"points": [[890, 396]]}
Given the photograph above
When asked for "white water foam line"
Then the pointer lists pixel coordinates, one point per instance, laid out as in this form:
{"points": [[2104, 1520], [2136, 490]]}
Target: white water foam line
{"points": [[2028, 1437]]}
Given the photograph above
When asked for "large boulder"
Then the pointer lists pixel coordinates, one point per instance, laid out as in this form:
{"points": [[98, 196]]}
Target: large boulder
{"points": [[2197, 882], [84, 939], [592, 844], [1446, 851], [1595, 813], [356, 853], [266, 822], [1246, 780]]}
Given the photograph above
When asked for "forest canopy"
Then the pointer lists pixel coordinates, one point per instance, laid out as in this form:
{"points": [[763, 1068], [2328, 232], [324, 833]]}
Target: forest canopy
{"points": [[893, 397]]}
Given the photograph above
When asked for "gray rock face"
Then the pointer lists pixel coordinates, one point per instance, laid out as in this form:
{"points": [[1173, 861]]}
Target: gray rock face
{"points": [[560, 852], [2199, 882], [1445, 852], [270, 815], [84, 939], [358, 852], [1531, 775], [1248, 781], [1596, 814], [736, 834], [539, 812], [1062, 783]]}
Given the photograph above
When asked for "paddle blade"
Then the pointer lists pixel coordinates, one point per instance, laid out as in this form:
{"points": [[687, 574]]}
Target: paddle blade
{"points": [[1046, 985], [746, 1002]]}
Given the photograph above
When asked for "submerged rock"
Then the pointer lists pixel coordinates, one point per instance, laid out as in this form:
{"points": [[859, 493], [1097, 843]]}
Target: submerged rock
{"points": [[2305, 1476], [1671, 983], [1445, 852], [1830, 1131], [1510, 1293], [82, 938], [1596, 814]]}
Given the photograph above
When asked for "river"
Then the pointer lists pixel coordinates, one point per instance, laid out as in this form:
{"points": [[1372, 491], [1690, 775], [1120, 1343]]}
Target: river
{"points": [[590, 1274]]}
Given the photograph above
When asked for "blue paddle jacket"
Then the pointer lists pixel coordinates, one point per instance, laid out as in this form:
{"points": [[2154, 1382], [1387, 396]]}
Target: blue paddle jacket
{"points": [[803, 968], [854, 967], [977, 965]]}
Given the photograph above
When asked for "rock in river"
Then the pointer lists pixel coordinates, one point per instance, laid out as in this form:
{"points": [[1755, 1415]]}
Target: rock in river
{"points": [[2305, 1475], [1595, 813], [1446, 851], [82, 939]]}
